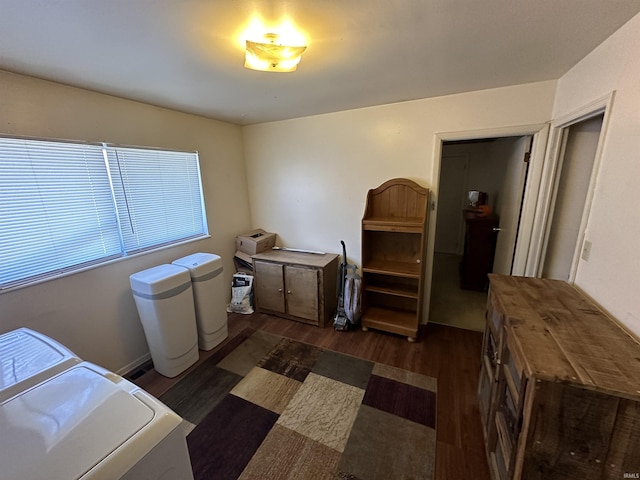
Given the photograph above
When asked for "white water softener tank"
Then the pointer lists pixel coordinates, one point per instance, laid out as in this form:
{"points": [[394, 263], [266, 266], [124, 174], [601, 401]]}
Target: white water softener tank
{"points": [[164, 298], [210, 297]]}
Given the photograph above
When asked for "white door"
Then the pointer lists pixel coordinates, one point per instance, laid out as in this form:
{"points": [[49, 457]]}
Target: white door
{"points": [[511, 202]]}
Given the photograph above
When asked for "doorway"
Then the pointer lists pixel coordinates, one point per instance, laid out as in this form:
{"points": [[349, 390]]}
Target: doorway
{"points": [[542, 192], [498, 167], [568, 209], [557, 246]]}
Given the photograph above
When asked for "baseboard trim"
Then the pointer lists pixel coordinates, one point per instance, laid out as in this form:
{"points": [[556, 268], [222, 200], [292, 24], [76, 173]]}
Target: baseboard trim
{"points": [[131, 367]]}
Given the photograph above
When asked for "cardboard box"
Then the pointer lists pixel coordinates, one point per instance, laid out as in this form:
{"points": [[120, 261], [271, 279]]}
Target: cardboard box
{"points": [[255, 241], [243, 262]]}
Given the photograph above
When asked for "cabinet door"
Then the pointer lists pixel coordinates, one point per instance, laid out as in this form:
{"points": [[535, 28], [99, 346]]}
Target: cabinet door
{"points": [[490, 383], [269, 286], [302, 292], [487, 376]]}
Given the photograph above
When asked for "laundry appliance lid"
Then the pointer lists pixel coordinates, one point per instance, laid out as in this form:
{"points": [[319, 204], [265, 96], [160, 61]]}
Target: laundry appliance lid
{"points": [[84, 423], [27, 358]]}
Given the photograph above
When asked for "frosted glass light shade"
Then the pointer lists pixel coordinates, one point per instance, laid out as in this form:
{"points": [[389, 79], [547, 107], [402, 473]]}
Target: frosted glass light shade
{"points": [[271, 56]]}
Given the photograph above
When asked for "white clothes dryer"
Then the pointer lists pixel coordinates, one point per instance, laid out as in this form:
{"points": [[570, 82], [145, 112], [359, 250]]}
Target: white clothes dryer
{"points": [[88, 423], [27, 358]]}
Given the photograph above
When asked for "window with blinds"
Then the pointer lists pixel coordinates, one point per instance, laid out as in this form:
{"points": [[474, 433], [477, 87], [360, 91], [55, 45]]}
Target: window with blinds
{"points": [[66, 206], [158, 196]]}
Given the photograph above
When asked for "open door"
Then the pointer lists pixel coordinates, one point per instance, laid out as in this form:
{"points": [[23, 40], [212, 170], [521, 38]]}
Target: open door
{"points": [[517, 152], [464, 243], [522, 218]]}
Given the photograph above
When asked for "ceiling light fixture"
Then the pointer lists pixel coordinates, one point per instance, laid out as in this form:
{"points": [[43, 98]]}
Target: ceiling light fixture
{"points": [[271, 55]]}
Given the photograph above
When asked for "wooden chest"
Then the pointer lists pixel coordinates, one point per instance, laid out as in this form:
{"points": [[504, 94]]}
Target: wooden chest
{"points": [[559, 389]]}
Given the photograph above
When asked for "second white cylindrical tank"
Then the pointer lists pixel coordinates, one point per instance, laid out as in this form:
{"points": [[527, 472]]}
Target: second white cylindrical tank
{"points": [[210, 295]]}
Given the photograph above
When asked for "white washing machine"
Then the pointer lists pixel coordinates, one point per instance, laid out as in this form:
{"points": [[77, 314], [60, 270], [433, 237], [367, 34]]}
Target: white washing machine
{"points": [[27, 358], [88, 423]]}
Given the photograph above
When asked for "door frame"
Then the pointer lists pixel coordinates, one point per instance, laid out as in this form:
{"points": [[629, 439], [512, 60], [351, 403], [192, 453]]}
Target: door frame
{"points": [[550, 176], [540, 133]]}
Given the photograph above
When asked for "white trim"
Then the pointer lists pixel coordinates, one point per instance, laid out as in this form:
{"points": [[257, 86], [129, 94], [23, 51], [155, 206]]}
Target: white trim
{"points": [[527, 224], [102, 264], [596, 107], [540, 133], [544, 198], [551, 196], [431, 226], [547, 193], [133, 366], [509, 131]]}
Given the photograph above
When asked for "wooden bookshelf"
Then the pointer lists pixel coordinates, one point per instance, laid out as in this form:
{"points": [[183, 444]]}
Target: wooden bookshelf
{"points": [[393, 246]]}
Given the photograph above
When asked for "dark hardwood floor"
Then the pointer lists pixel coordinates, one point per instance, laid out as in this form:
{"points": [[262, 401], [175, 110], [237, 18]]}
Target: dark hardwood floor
{"points": [[452, 355]]}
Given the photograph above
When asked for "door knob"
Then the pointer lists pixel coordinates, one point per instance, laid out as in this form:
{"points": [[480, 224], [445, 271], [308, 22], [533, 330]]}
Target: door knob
{"points": [[497, 229]]}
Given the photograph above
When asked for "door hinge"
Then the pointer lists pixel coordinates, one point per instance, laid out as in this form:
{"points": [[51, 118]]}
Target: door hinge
{"points": [[527, 157]]}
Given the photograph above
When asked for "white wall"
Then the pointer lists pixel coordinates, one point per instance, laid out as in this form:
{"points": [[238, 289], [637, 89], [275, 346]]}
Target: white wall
{"points": [[93, 312], [612, 274], [308, 178]]}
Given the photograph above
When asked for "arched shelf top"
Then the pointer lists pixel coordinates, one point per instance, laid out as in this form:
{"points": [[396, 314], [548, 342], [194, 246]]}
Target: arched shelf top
{"points": [[394, 182], [398, 200]]}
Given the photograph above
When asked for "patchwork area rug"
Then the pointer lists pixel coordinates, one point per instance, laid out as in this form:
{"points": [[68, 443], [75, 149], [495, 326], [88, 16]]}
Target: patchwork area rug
{"points": [[267, 407]]}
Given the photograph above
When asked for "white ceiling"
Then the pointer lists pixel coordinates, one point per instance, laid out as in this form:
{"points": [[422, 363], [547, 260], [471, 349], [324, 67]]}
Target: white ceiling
{"points": [[185, 54]]}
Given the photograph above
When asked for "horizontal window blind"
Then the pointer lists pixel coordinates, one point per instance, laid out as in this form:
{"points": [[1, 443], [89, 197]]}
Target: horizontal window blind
{"points": [[66, 206], [158, 196], [57, 209]]}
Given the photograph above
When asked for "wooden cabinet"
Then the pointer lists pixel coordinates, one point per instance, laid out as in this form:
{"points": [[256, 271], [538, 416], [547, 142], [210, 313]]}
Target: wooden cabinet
{"points": [[393, 246], [479, 250], [299, 286], [559, 387]]}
